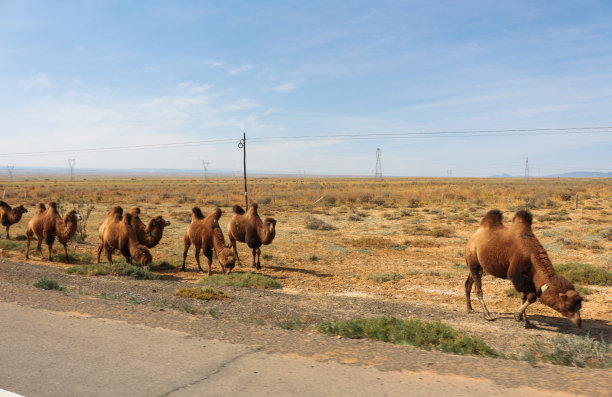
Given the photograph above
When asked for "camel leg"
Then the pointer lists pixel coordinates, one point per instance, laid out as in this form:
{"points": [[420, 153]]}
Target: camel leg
{"points": [[526, 300], [187, 245], [478, 281], [197, 256], [109, 254], [7, 233], [28, 246], [66, 252], [100, 248], [50, 251], [39, 248], [233, 244], [468, 290], [258, 255], [254, 254], [209, 257]]}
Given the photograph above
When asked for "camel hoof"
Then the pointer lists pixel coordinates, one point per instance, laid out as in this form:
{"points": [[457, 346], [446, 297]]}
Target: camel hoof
{"points": [[518, 316], [490, 317], [470, 310]]}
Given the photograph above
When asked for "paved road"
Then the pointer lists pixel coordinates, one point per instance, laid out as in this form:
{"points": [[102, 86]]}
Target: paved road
{"points": [[45, 353]]}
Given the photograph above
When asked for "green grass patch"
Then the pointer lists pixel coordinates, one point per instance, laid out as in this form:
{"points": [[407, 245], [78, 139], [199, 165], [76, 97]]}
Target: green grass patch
{"points": [[78, 257], [49, 284], [248, 280], [205, 294], [570, 350], [585, 273], [422, 334], [511, 292], [162, 266], [384, 277], [11, 245], [291, 324], [116, 269]]}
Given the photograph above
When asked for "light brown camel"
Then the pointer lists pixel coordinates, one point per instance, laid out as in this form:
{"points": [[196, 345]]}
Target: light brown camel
{"points": [[205, 233], [47, 224], [151, 234], [515, 253], [248, 228], [116, 232], [9, 216]]}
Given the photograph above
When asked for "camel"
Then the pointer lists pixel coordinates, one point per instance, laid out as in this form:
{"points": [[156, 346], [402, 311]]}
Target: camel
{"points": [[47, 224], [205, 233], [515, 253], [116, 232], [248, 228], [9, 216], [149, 235]]}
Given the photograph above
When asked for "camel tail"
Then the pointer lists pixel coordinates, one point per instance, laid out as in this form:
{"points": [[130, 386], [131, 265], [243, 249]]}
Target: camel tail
{"points": [[197, 212], [524, 216], [493, 218], [4, 205], [238, 210]]}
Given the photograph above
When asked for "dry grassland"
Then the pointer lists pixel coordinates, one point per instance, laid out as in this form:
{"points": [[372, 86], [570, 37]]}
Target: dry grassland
{"points": [[398, 239]]}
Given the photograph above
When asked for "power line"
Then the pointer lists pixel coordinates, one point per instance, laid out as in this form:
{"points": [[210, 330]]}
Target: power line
{"points": [[288, 138]]}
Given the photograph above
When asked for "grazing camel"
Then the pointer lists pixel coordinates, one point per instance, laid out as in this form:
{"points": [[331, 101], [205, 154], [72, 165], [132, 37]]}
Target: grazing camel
{"points": [[248, 228], [116, 232], [205, 233], [9, 216], [47, 224], [149, 235], [515, 253]]}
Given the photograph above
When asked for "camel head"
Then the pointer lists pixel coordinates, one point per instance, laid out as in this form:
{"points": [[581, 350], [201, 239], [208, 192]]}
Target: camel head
{"points": [[20, 210], [143, 256], [561, 296], [72, 217], [227, 259], [158, 223], [270, 229]]}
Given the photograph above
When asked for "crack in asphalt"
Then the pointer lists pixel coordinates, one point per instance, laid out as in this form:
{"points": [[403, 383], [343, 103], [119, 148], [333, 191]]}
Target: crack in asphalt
{"points": [[219, 369]]}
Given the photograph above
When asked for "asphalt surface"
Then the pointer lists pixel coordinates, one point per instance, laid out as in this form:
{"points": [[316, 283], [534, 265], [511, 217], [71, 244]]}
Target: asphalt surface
{"points": [[48, 353]]}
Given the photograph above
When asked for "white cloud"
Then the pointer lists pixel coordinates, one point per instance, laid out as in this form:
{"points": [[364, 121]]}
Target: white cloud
{"points": [[241, 104], [39, 80], [239, 69], [287, 87]]}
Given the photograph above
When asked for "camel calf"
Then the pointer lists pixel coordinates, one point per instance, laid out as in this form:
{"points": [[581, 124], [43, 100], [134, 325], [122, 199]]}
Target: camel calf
{"points": [[247, 227], [9, 216]]}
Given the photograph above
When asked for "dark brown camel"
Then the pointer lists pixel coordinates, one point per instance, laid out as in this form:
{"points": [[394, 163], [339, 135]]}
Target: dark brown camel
{"points": [[116, 233], [205, 233], [514, 253], [47, 224], [9, 216], [248, 228], [151, 234]]}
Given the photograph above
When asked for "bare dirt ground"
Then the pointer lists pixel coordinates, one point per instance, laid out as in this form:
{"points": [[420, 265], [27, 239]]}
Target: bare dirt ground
{"points": [[342, 274]]}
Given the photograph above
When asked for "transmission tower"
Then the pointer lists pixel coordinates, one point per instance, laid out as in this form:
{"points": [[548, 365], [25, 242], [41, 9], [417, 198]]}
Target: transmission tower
{"points": [[71, 163], [378, 172], [205, 166], [10, 169], [527, 168]]}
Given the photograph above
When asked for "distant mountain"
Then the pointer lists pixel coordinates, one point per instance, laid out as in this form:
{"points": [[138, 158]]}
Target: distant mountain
{"points": [[501, 176], [582, 174]]}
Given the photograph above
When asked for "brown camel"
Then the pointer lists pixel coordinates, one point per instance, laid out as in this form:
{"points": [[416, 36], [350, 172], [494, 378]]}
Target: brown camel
{"points": [[149, 235], [9, 216], [205, 233], [47, 224], [515, 253], [116, 232], [248, 228]]}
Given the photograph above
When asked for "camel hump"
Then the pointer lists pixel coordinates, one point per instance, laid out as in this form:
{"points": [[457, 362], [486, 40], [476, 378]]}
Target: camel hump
{"points": [[53, 206], [135, 210], [524, 216], [4, 205], [197, 212], [40, 207], [116, 210], [253, 208], [127, 218], [493, 218], [238, 210], [217, 213]]}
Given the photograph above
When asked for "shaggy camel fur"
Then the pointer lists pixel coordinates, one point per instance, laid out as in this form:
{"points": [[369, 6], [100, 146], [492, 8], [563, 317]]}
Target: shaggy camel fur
{"points": [[149, 235], [47, 224], [248, 228], [116, 232], [205, 233], [9, 216], [515, 253]]}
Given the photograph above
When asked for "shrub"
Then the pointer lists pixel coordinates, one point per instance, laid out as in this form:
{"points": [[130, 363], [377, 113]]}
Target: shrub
{"points": [[48, 284], [585, 273], [313, 223], [371, 242], [384, 277], [206, 294], [117, 268], [574, 351], [423, 334], [249, 280]]}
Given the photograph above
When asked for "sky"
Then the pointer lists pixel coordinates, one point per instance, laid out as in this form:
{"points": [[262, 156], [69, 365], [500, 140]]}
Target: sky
{"points": [[80, 75]]}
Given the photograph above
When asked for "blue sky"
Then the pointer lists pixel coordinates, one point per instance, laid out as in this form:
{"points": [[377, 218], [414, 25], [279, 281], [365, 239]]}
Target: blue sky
{"points": [[91, 74]]}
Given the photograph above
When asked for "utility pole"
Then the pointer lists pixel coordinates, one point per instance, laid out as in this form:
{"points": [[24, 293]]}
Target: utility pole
{"points": [[242, 145], [71, 163], [378, 173], [527, 168], [10, 169], [205, 166]]}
